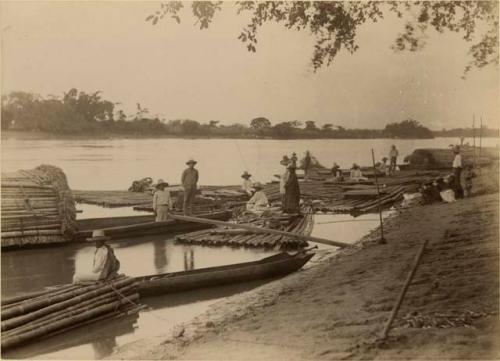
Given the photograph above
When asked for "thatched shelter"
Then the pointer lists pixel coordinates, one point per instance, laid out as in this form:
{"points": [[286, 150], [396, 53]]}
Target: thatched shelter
{"points": [[37, 207], [434, 158]]}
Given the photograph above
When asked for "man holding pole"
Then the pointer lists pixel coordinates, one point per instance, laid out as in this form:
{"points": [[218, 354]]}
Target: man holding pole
{"points": [[189, 182]]}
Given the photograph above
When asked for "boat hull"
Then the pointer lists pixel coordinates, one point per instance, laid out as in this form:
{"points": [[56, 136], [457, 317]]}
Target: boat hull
{"points": [[143, 225], [274, 266]]}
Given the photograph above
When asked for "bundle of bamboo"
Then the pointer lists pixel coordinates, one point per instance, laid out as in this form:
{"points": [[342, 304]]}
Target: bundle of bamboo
{"points": [[37, 207], [45, 313], [244, 238]]}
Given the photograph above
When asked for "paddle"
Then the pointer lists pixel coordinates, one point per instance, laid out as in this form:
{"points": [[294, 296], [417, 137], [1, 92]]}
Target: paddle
{"points": [[259, 230]]}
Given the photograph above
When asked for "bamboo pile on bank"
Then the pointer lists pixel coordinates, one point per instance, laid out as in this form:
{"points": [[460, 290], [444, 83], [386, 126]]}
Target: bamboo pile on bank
{"points": [[300, 224], [37, 207], [46, 313]]}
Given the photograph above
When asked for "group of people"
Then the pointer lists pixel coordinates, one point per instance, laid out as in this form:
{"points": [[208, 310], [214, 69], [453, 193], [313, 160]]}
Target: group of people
{"points": [[454, 186], [355, 173], [289, 189]]}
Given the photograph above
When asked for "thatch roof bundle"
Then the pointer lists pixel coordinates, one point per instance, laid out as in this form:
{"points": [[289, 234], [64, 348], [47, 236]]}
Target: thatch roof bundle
{"points": [[37, 207], [434, 158]]}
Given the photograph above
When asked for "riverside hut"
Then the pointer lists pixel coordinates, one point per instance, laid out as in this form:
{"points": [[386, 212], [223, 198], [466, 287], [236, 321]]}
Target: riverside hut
{"points": [[37, 207]]}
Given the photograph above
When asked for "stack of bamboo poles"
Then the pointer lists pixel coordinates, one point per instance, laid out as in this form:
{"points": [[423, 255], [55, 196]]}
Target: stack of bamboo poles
{"points": [[244, 238], [37, 207], [46, 313]]}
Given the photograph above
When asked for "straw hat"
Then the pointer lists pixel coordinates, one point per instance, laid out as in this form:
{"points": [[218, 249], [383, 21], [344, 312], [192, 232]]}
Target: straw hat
{"points": [[285, 160], [191, 161], [98, 235], [258, 185], [246, 175], [161, 182]]}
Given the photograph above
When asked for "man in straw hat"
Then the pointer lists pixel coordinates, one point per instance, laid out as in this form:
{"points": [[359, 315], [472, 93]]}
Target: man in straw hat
{"points": [[189, 182], [162, 202], [258, 202], [105, 265], [284, 175], [247, 184]]}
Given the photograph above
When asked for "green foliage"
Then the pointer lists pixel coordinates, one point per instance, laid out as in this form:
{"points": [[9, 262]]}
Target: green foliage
{"points": [[408, 128], [334, 24]]}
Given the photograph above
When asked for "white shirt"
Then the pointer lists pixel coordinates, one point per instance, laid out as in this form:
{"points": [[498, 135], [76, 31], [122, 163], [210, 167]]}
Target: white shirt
{"points": [[457, 162], [258, 200], [247, 186], [100, 258], [283, 180], [162, 198]]}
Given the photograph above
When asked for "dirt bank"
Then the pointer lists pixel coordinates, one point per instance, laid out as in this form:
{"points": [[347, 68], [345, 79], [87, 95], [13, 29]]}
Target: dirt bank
{"points": [[337, 309]]}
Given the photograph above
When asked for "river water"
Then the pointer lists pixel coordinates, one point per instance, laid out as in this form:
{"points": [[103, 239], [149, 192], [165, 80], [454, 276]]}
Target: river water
{"points": [[114, 164]]}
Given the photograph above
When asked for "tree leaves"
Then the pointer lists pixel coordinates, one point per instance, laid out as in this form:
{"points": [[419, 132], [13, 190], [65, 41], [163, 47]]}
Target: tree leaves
{"points": [[334, 24]]}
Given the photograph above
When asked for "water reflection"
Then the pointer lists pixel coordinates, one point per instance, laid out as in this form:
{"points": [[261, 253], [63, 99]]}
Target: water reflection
{"points": [[188, 259], [104, 347], [160, 256]]}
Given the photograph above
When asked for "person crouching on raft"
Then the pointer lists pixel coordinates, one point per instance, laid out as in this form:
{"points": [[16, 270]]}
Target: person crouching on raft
{"points": [[258, 202], [162, 202], [247, 184], [105, 265]]}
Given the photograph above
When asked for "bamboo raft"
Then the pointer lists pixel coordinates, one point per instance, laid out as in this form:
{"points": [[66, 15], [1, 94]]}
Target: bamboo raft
{"points": [[37, 207], [59, 309], [221, 236]]}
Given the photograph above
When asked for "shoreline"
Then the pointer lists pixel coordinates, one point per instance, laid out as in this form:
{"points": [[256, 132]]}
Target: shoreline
{"points": [[336, 308], [29, 135]]}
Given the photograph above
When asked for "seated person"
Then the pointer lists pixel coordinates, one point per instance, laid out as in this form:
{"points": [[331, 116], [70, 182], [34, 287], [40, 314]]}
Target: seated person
{"points": [[259, 201], [356, 174], [105, 265], [247, 186], [337, 173], [383, 168]]}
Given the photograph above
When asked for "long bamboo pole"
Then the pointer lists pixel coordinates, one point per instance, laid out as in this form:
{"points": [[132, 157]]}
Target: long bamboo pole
{"points": [[111, 307], [382, 239], [395, 309], [260, 230], [474, 138]]}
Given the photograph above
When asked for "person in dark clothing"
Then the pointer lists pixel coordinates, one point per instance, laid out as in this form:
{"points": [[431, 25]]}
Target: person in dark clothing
{"points": [[291, 200], [189, 182]]}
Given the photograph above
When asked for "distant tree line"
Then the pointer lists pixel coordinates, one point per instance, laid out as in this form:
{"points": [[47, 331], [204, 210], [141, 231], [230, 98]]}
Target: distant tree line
{"points": [[80, 113], [468, 132]]}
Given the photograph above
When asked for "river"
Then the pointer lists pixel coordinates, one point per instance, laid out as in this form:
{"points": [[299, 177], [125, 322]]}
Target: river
{"points": [[113, 164]]}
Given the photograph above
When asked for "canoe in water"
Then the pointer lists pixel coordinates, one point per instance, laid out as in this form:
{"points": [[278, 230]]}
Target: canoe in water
{"points": [[123, 227], [277, 265]]}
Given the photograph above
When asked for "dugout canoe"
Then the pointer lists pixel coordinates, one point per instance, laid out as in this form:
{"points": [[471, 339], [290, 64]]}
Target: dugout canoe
{"points": [[123, 227], [280, 264]]}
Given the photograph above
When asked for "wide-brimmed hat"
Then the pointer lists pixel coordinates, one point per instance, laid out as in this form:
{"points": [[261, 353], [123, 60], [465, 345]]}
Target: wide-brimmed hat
{"points": [[285, 160], [161, 182], [98, 235], [246, 175], [257, 185], [191, 161]]}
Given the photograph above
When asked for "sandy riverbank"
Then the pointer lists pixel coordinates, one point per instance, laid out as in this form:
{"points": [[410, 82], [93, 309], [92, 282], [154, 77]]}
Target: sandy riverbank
{"points": [[337, 309]]}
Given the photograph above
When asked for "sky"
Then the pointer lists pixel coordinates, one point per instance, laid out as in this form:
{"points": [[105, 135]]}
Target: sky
{"points": [[178, 71]]}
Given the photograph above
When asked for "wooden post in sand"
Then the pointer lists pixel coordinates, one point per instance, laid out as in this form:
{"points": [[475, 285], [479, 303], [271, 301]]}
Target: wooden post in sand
{"points": [[474, 139], [403, 291], [382, 239]]}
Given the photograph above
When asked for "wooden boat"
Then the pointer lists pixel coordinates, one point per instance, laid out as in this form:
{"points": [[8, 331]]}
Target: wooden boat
{"points": [[122, 227], [277, 265]]}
